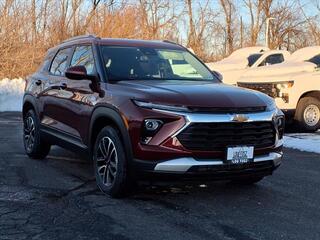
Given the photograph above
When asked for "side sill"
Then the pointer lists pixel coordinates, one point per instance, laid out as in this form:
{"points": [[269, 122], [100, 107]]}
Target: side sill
{"points": [[56, 137]]}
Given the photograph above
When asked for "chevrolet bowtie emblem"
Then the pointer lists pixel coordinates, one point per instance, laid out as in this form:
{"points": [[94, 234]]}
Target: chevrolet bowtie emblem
{"points": [[240, 118]]}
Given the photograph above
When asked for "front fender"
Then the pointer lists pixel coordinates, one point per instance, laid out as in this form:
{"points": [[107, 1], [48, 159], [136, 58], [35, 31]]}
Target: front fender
{"points": [[113, 116]]}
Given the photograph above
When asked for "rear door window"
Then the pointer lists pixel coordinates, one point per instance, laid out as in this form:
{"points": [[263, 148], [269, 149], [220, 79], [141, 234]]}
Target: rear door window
{"points": [[60, 62], [83, 56]]}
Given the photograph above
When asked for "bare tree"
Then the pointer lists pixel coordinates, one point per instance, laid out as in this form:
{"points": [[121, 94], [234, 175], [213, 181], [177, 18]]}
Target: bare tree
{"points": [[29, 27], [257, 10], [158, 18], [201, 30], [228, 9], [286, 27]]}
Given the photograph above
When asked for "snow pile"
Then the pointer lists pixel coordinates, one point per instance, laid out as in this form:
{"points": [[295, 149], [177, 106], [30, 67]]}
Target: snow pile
{"points": [[307, 142], [237, 60], [304, 54], [11, 93]]}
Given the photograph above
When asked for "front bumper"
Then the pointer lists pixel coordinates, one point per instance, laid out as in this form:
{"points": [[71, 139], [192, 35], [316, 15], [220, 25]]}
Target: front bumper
{"points": [[183, 165], [189, 167]]}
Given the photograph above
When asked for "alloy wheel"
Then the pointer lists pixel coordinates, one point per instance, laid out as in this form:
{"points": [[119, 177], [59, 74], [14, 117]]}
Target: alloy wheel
{"points": [[107, 161], [29, 133]]}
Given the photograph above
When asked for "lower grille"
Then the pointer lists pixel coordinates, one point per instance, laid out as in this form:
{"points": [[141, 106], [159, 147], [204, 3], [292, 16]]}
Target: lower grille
{"points": [[267, 88], [218, 136]]}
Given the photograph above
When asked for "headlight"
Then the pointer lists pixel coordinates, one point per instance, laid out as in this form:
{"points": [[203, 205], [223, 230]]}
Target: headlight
{"points": [[161, 106], [283, 85], [279, 121]]}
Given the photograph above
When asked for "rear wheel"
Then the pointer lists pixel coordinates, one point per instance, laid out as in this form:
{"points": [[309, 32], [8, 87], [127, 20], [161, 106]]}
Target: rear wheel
{"points": [[110, 163], [34, 145], [308, 114]]}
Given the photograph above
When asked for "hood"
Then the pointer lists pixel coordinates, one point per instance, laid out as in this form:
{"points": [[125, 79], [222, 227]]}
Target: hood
{"points": [[286, 68], [193, 93], [279, 78], [222, 67]]}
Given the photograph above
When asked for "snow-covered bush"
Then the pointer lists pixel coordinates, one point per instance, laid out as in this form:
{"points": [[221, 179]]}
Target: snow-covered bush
{"points": [[11, 93]]}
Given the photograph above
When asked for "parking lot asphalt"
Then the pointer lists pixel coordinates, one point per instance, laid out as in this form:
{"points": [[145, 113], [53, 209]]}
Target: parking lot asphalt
{"points": [[57, 199]]}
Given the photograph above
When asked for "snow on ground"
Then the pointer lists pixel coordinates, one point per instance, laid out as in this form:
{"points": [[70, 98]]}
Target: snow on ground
{"points": [[11, 93], [308, 142]]}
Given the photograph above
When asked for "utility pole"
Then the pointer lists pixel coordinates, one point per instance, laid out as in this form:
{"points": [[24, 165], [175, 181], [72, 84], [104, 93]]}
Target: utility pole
{"points": [[267, 30], [241, 32]]}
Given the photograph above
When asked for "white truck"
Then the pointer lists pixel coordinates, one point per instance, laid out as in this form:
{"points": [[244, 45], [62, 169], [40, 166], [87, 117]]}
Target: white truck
{"points": [[246, 60], [295, 85]]}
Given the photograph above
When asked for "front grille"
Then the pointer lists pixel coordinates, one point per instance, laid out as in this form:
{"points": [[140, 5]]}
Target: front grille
{"points": [[218, 136], [267, 88]]}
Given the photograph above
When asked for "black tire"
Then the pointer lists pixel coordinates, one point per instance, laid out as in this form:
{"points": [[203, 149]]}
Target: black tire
{"points": [[307, 115], [110, 163], [34, 145], [247, 181]]}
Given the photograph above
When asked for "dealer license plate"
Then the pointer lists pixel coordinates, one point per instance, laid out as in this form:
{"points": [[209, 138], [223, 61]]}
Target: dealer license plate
{"points": [[239, 155]]}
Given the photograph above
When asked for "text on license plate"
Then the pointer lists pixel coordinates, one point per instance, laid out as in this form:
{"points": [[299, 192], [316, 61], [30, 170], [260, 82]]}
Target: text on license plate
{"points": [[241, 154]]}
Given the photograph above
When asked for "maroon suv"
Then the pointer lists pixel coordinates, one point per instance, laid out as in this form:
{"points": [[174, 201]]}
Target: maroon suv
{"points": [[148, 109]]}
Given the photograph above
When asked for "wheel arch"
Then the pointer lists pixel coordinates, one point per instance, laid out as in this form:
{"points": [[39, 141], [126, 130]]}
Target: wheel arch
{"points": [[105, 116], [28, 104], [314, 93]]}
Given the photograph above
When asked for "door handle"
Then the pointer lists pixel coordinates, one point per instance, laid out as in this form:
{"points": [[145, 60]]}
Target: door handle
{"points": [[63, 86], [38, 82]]}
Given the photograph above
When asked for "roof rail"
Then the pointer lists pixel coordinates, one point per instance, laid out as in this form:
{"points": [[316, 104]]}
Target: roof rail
{"points": [[81, 37], [168, 41]]}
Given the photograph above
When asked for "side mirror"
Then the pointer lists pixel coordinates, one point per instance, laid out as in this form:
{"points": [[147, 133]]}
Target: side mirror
{"points": [[78, 73], [217, 75]]}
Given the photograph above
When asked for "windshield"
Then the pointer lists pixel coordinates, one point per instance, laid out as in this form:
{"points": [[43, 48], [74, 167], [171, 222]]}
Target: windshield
{"points": [[315, 60], [140, 63], [253, 58]]}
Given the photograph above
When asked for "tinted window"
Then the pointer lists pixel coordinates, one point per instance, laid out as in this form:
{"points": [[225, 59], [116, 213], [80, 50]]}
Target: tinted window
{"points": [[83, 56], [315, 60], [272, 59], [137, 63], [253, 58], [60, 61]]}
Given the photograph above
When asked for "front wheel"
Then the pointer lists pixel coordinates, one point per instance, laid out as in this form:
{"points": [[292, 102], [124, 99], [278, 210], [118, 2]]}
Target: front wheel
{"points": [[110, 163], [308, 114]]}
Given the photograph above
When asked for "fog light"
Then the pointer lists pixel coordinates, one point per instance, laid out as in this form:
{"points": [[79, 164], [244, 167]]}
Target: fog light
{"points": [[152, 124], [150, 129]]}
